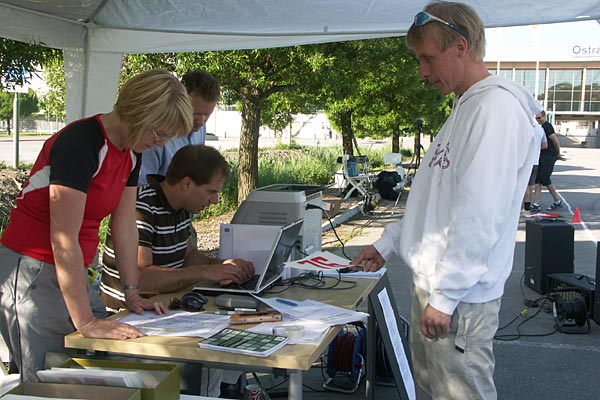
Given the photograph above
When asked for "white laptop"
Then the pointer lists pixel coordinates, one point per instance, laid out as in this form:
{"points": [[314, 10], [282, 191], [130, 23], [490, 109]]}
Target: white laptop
{"points": [[268, 273]]}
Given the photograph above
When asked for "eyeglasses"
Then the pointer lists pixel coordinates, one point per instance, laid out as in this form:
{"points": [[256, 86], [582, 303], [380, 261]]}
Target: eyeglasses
{"points": [[423, 18], [160, 137]]}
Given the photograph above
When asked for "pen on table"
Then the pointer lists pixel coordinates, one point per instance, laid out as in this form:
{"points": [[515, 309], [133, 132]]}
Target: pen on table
{"points": [[156, 328], [288, 302], [225, 312]]}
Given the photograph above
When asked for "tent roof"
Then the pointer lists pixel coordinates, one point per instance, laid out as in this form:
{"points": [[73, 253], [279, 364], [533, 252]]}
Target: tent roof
{"points": [[94, 34], [133, 26]]}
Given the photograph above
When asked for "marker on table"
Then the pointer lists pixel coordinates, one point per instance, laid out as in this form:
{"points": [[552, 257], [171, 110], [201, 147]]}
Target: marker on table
{"points": [[288, 302]]}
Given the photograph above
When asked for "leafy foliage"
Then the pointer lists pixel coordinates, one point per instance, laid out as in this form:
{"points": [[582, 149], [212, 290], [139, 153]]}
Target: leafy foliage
{"points": [[368, 88], [19, 60], [304, 165], [54, 101], [373, 88]]}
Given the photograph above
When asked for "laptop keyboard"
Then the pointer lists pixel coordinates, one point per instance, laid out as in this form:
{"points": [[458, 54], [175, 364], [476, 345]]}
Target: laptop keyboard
{"points": [[248, 285]]}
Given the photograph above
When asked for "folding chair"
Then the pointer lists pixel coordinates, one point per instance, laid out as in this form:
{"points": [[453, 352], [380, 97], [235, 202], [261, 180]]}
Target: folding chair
{"points": [[355, 170], [395, 159]]}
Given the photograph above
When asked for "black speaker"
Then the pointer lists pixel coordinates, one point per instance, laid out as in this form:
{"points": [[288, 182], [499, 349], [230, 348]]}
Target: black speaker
{"points": [[548, 250], [597, 291]]}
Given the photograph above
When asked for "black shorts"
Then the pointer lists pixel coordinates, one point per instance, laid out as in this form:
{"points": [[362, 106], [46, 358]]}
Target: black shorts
{"points": [[544, 171]]}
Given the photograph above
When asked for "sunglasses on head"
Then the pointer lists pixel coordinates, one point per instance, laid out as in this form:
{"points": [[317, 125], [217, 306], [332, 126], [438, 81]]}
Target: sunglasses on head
{"points": [[424, 17]]}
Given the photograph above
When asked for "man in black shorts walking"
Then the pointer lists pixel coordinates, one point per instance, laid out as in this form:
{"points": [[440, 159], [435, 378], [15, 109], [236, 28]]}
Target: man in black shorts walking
{"points": [[548, 157]]}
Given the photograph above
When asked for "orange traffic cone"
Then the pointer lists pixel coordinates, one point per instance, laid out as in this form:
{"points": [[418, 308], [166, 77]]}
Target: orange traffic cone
{"points": [[576, 217]]}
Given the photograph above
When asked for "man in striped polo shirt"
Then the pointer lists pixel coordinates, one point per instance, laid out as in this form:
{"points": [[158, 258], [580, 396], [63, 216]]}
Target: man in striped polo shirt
{"points": [[168, 260]]}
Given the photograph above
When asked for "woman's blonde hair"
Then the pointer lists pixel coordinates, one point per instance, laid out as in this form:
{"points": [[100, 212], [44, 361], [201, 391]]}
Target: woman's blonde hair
{"points": [[154, 100], [460, 15]]}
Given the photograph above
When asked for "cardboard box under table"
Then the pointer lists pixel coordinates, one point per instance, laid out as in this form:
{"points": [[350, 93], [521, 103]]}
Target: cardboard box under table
{"points": [[167, 388], [72, 391]]}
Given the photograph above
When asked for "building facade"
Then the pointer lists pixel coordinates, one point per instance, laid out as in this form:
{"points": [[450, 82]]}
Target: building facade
{"points": [[560, 65]]}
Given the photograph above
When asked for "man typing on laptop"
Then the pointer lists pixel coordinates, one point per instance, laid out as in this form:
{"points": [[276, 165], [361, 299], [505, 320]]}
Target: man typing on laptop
{"points": [[168, 260]]}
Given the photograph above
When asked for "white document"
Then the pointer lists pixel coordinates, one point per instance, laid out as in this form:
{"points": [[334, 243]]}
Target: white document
{"points": [[248, 242], [177, 323], [312, 331], [392, 327], [320, 261], [314, 311]]}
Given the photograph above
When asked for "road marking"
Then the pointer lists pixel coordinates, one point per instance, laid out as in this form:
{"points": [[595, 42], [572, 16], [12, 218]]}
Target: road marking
{"points": [[587, 231]]}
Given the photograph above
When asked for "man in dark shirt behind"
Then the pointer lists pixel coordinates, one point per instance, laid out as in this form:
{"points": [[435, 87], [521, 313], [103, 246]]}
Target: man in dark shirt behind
{"points": [[548, 157]]}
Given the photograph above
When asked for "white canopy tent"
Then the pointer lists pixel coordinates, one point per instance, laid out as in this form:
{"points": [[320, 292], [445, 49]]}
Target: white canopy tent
{"points": [[94, 34]]}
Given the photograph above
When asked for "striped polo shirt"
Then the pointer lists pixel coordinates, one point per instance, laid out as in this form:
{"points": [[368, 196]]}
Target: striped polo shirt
{"points": [[165, 230]]}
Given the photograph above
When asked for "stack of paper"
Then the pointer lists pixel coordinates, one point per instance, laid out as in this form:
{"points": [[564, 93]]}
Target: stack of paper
{"points": [[99, 376], [177, 323], [315, 317]]}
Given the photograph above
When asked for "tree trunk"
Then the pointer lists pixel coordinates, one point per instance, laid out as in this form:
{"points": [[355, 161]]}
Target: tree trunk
{"points": [[248, 155], [396, 141], [347, 134]]}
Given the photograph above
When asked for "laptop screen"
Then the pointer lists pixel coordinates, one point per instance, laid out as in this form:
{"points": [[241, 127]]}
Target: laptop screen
{"points": [[280, 253], [273, 265]]}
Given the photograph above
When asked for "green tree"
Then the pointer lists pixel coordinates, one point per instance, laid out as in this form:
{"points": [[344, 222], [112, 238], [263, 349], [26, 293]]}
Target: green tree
{"points": [[255, 79], [373, 89], [54, 101], [255, 76], [28, 104], [19, 60]]}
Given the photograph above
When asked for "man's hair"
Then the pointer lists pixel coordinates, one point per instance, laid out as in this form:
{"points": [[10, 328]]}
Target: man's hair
{"points": [[202, 83], [198, 162], [154, 100], [460, 15], [542, 113]]}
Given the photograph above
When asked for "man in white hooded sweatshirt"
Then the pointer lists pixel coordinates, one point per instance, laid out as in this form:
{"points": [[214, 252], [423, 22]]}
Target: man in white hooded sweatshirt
{"points": [[459, 228]]}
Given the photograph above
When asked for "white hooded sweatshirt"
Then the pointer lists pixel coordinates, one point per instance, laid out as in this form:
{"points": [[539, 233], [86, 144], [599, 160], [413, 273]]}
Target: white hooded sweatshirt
{"points": [[459, 227]]}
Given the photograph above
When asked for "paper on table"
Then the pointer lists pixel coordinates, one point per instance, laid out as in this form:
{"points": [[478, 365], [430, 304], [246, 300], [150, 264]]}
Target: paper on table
{"points": [[312, 332], [177, 323], [310, 310], [320, 261]]}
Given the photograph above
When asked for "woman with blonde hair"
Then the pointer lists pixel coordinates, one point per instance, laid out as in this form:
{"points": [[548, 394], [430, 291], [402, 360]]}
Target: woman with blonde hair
{"points": [[84, 172]]}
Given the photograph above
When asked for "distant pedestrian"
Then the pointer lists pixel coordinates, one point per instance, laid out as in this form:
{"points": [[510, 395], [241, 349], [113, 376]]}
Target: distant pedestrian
{"points": [[542, 142], [548, 158]]}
